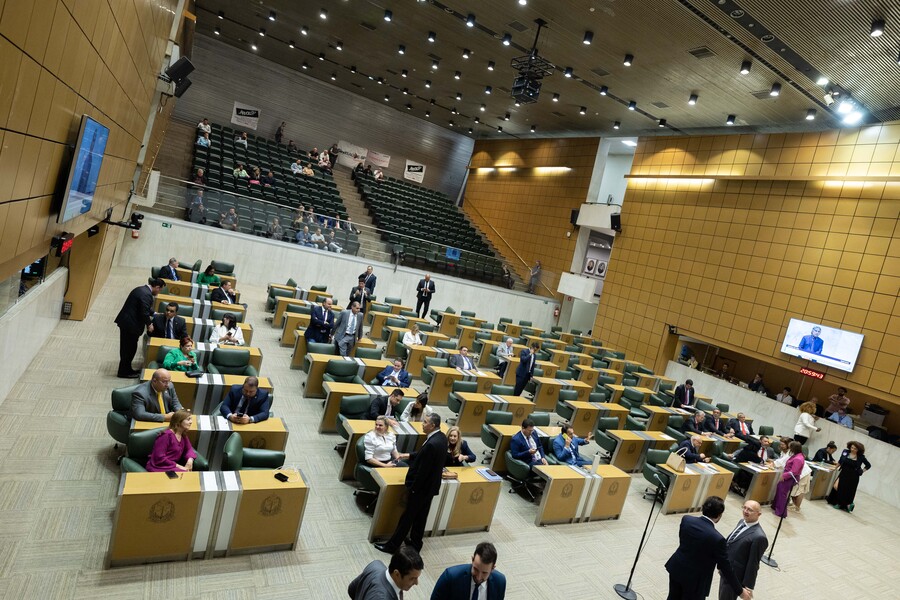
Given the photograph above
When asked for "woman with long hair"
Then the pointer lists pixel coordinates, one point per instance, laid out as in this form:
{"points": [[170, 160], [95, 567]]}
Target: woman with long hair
{"points": [[793, 469], [806, 423], [853, 464], [416, 410], [172, 450], [227, 333], [458, 451]]}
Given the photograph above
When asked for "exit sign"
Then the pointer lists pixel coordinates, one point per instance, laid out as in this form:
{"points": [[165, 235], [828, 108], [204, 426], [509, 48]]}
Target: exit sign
{"points": [[167, 226], [811, 373]]}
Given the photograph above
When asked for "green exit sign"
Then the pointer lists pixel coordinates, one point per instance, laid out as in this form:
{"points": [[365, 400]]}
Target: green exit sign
{"points": [[167, 225]]}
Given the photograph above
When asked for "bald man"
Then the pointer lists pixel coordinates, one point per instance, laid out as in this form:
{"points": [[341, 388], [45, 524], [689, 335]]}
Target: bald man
{"points": [[746, 545], [155, 400]]}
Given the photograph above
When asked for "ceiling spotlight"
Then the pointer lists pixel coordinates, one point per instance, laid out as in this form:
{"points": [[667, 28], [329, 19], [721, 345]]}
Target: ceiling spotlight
{"points": [[401, 49], [692, 100], [533, 128], [488, 89], [253, 46], [470, 131], [321, 56], [568, 72], [616, 125], [506, 117], [499, 129], [304, 30], [323, 14], [380, 81], [453, 111], [877, 27], [776, 89], [221, 14], [604, 90], [291, 44], [523, 2], [431, 102], [490, 65], [428, 83], [262, 32], [582, 110], [405, 91], [271, 15], [427, 113], [339, 45], [507, 39], [304, 66], [218, 31], [404, 73], [388, 16], [470, 20], [459, 95], [628, 60], [477, 120], [822, 80], [811, 114], [408, 106], [353, 69], [387, 98], [745, 67], [588, 38], [334, 76], [518, 103], [662, 122], [556, 97], [434, 65], [850, 109], [457, 75], [432, 36], [632, 105], [483, 107], [730, 120], [466, 53], [450, 123]]}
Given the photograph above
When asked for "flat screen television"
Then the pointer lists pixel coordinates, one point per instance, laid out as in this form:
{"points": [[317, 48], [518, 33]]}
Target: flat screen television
{"points": [[822, 345], [85, 170]]}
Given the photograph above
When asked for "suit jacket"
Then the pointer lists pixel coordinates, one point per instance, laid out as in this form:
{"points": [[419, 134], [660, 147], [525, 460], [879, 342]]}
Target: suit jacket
{"points": [[257, 409], [145, 405], [426, 465], [518, 447], [378, 407], [372, 584], [425, 286], [219, 295], [744, 553], [137, 311], [701, 548], [403, 376], [687, 450], [750, 452], [690, 427], [321, 323], [683, 396], [179, 327], [370, 281], [711, 426], [456, 582], [736, 425], [523, 371], [361, 296], [456, 361], [343, 321], [167, 272]]}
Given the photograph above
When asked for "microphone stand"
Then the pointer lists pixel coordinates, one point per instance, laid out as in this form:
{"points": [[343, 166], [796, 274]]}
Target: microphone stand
{"points": [[625, 591], [768, 560]]}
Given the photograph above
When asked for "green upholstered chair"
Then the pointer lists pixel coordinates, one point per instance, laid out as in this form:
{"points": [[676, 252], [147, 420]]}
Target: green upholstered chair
{"points": [[634, 424], [562, 409], [521, 477], [352, 407], [154, 272], [222, 268], [342, 371], [502, 390], [631, 398], [722, 406], [644, 370], [599, 395], [217, 314], [290, 282], [556, 329], [190, 265], [656, 400], [317, 348], [541, 419], [231, 361], [318, 288], [666, 385], [576, 332], [503, 322], [237, 458], [376, 308], [606, 442], [466, 313], [525, 323], [487, 325], [429, 327], [454, 403], [118, 420], [704, 406], [140, 445], [676, 421], [431, 361], [675, 433], [564, 374], [274, 294], [654, 474], [493, 417], [599, 364], [161, 356], [446, 344], [374, 353], [391, 322], [362, 472], [298, 309], [604, 379], [765, 430], [466, 322], [629, 381], [392, 300], [185, 310], [408, 314]]}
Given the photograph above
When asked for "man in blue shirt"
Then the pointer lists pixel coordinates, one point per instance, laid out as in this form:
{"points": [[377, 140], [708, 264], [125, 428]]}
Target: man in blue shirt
{"points": [[565, 446], [842, 418], [812, 342]]}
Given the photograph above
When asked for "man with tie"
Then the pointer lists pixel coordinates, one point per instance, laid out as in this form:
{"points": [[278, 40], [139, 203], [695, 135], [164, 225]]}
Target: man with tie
{"points": [[168, 271], [321, 323], [526, 445], [223, 293], [155, 400], [394, 376], [246, 403], [168, 325], [387, 406], [715, 424], [461, 360], [684, 395], [505, 351], [348, 329], [379, 583], [525, 370], [424, 292], [133, 319], [369, 279], [740, 427], [745, 547], [360, 294], [476, 581], [689, 449], [757, 451]]}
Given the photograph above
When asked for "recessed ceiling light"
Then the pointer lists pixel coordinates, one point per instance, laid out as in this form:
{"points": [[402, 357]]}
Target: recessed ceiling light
{"points": [[477, 120], [387, 98], [499, 129], [533, 128], [291, 44], [692, 100], [877, 27], [271, 15], [457, 75], [218, 31], [488, 89], [632, 105], [334, 76], [453, 111], [405, 91], [507, 39], [321, 56], [470, 131], [466, 53], [388, 16], [470, 20], [253, 45], [604, 90], [432, 36], [582, 110], [568, 72], [745, 67], [483, 107], [588, 38], [616, 125], [431, 102], [506, 117], [434, 65], [776, 89], [353, 69], [811, 114], [380, 81], [304, 30], [631, 143], [730, 120], [628, 60], [427, 113], [459, 95], [401, 49], [323, 14], [523, 2], [662, 122], [262, 32], [339, 45], [518, 103], [490, 65], [822, 80], [428, 83], [409, 106], [404, 73], [450, 123], [556, 97], [304, 66], [221, 14]]}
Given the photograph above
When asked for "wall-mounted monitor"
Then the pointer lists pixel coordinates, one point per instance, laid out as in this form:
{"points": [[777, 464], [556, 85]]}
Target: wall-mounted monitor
{"points": [[78, 195], [822, 345]]}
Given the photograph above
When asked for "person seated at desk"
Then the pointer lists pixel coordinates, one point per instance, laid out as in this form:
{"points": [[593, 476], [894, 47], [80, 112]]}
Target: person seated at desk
{"points": [[504, 352], [386, 406], [458, 452], [209, 277], [182, 358], [381, 447], [684, 395], [223, 294], [826, 454], [413, 337], [689, 449], [526, 446], [785, 397], [155, 400], [757, 384], [172, 450], [246, 403], [842, 418], [168, 271], [694, 425], [477, 580], [395, 376], [740, 427], [417, 410], [461, 360], [168, 325], [227, 333], [565, 446], [756, 451], [714, 423]]}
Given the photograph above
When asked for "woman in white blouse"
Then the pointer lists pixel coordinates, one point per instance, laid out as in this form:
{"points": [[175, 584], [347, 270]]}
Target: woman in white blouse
{"points": [[381, 446], [413, 337], [227, 333], [806, 424], [417, 410]]}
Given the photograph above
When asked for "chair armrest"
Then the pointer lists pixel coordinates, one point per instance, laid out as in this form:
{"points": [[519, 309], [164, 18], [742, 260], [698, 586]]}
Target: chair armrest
{"points": [[255, 458], [130, 465]]}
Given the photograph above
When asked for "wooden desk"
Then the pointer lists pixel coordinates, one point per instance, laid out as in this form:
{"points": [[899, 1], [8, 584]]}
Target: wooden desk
{"points": [[821, 480], [188, 275], [588, 347], [186, 289], [647, 392], [509, 376], [367, 368], [443, 378], [574, 495], [475, 406], [201, 309], [429, 337], [335, 391], [511, 329], [587, 374], [567, 338], [203, 394], [645, 380], [415, 361], [299, 356], [763, 482], [615, 390], [690, 489], [536, 338], [487, 349], [659, 416], [729, 445], [466, 335], [561, 358], [546, 391], [617, 375], [610, 409], [448, 323], [504, 434], [409, 436], [378, 320], [292, 322], [585, 414], [204, 352], [396, 308], [632, 447]]}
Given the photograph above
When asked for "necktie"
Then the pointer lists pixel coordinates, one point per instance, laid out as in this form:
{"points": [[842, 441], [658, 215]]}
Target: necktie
{"points": [[387, 410], [351, 327], [169, 333], [762, 453], [475, 592], [162, 404], [744, 428], [174, 274], [737, 531]]}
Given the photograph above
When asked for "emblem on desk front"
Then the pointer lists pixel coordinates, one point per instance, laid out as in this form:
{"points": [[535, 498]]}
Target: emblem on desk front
{"points": [[478, 411], [258, 442], [161, 511], [686, 485], [476, 496], [567, 490], [586, 416], [613, 488], [270, 506], [631, 449], [520, 412]]}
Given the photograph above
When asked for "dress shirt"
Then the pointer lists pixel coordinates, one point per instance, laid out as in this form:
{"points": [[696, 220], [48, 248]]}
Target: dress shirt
{"points": [[478, 592], [405, 417], [391, 382], [742, 425], [397, 590], [412, 340], [380, 447], [351, 325], [741, 529]]}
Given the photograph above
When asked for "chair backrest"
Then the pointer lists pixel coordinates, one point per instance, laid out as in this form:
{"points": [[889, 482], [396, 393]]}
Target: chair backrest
{"points": [[450, 310], [231, 361], [555, 329], [466, 322], [656, 457], [298, 309], [704, 406], [564, 374], [502, 390], [723, 407], [368, 353], [161, 353], [569, 395], [154, 272], [121, 398], [140, 443], [604, 423], [426, 327], [505, 320], [185, 310], [465, 386], [356, 406], [525, 323], [498, 417], [602, 379], [676, 421], [395, 322], [361, 450], [408, 313], [217, 314], [487, 325], [392, 300], [466, 313], [342, 369], [318, 288], [446, 344], [291, 282], [541, 419], [432, 361], [633, 395], [763, 429], [222, 268], [320, 348], [482, 335], [233, 454], [575, 332]]}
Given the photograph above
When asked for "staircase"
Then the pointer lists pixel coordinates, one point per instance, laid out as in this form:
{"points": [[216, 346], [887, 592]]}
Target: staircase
{"points": [[370, 242]]}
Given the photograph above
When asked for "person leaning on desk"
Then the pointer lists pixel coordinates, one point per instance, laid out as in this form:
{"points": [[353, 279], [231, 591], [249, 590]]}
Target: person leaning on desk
{"points": [[155, 400], [246, 403], [381, 447], [172, 450]]}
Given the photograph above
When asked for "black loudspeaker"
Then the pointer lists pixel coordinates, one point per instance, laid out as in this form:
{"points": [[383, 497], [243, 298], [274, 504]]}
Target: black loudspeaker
{"points": [[615, 222], [181, 87], [180, 69], [574, 218]]}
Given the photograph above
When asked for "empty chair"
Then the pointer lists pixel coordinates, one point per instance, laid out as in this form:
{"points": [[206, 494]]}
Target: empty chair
{"points": [[355, 406], [392, 300], [374, 353], [237, 458], [222, 268], [446, 344], [525, 323], [231, 362], [658, 478], [541, 419], [722, 406], [502, 390], [766, 430], [431, 361], [454, 403], [466, 313], [606, 442], [391, 322], [521, 476], [493, 417], [466, 323], [362, 472], [562, 409], [343, 371]]}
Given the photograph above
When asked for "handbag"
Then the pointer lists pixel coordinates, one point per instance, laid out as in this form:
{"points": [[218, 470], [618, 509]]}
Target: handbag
{"points": [[676, 461]]}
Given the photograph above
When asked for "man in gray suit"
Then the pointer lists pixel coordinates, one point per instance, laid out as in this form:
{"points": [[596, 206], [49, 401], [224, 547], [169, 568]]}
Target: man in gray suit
{"points": [[378, 583], [155, 400], [348, 329], [462, 360], [746, 545]]}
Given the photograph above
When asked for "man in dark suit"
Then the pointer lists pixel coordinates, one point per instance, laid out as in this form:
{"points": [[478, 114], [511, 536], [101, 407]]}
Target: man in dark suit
{"points": [[223, 294], [132, 319], [700, 549], [526, 445], [168, 325], [348, 329], [690, 450], [424, 292], [378, 583], [246, 403], [684, 394], [745, 546], [155, 400], [369, 279], [740, 427], [714, 423], [360, 294], [387, 406], [754, 451], [693, 425], [525, 370], [423, 482], [168, 271], [321, 323], [461, 360], [395, 376], [468, 581]]}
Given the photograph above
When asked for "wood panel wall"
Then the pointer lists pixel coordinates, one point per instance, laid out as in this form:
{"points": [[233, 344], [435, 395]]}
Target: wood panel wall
{"points": [[318, 114]]}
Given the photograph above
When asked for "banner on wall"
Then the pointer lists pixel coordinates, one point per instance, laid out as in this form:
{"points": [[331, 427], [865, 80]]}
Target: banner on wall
{"points": [[245, 116], [351, 155], [378, 159], [414, 171]]}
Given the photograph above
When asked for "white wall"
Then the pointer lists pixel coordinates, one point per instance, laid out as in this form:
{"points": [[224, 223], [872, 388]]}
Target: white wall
{"points": [[259, 261], [880, 483], [614, 182], [26, 327]]}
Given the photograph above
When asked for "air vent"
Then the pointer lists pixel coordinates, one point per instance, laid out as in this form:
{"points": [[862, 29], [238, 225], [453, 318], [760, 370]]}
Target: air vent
{"points": [[434, 57], [660, 105], [557, 113], [600, 72], [702, 52], [356, 85], [368, 26], [763, 95], [392, 72], [517, 26]]}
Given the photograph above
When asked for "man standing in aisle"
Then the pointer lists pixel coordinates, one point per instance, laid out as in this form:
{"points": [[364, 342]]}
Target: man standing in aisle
{"points": [[424, 292], [525, 370], [133, 318], [369, 279], [348, 329], [321, 323], [746, 545]]}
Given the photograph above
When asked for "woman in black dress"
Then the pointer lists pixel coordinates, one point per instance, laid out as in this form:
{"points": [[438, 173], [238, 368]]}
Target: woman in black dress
{"points": [[853, 464]]}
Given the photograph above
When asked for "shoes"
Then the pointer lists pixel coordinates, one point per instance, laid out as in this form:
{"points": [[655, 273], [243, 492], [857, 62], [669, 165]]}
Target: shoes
{"points": [[850, 507], [385, 548], [129, 375]]}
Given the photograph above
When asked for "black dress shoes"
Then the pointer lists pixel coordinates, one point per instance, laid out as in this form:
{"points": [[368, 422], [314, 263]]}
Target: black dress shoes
{"points": [[129, 375], [385, 548]]}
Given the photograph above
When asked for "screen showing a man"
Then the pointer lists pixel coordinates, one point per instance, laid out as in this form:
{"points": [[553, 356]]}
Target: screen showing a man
{"points": [[812, 342]]}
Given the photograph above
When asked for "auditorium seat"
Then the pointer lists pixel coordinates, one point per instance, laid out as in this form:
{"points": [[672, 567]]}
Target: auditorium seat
{"points": [[237, 458], [118, 420], [657, 477], [493, 417], [231, 361], [521, 476], [362, 472], [342, 371], [140, 445]]}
